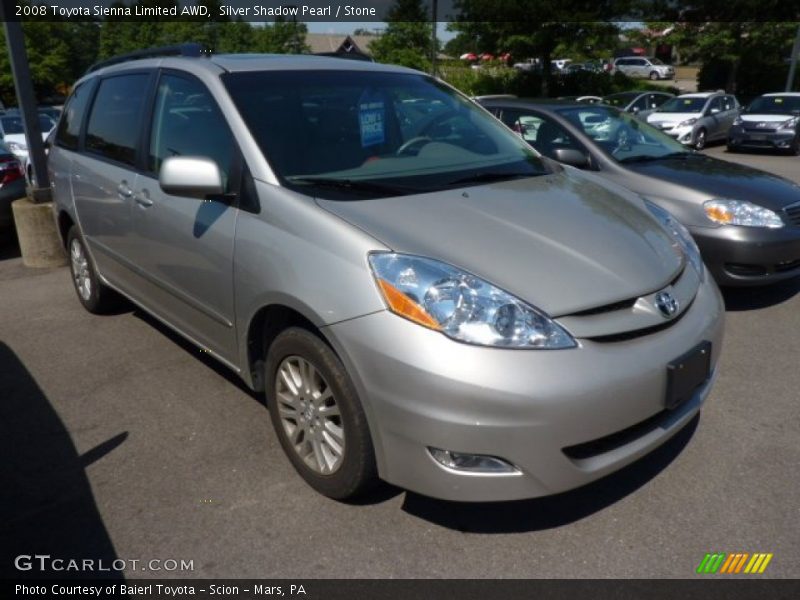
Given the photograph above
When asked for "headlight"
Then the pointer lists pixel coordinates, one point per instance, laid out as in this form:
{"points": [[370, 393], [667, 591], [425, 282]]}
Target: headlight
{"points": [[463, 307], [790, 124], [17, 147], [687, 122], [681, 235], [739, 212]]}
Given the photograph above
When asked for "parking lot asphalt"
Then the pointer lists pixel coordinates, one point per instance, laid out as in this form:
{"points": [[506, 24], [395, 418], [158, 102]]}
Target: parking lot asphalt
{"points": [[121, 441]]}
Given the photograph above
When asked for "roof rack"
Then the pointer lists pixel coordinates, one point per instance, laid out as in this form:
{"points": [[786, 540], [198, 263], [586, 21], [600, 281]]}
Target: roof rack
{"points": [[189, 49]]}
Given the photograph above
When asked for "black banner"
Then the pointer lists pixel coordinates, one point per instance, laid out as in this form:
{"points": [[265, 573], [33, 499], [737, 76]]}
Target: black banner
{"points": [[424, 589], [534, 11]]}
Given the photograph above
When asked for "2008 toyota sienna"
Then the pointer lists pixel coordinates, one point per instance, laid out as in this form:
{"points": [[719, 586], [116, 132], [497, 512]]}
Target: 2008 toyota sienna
{"points": [[423, 298]]}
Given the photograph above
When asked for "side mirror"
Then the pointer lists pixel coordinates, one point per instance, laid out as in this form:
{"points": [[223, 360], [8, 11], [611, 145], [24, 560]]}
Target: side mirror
{"points": [[191, 176], [635, 109], [572, 157], [714, 111]]}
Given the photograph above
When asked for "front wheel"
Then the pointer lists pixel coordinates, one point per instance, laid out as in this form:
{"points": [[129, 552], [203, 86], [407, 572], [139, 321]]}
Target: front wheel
{"points": [[700, 139], [653, 76], [794, 148], [318, 417]]}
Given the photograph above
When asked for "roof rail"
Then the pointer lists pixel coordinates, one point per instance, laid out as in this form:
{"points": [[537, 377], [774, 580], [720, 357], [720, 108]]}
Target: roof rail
{"points": [[189, 49]]}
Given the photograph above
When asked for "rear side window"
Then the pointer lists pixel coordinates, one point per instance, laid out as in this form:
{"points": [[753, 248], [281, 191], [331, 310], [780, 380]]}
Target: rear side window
{"points": [[69, 127], [187, 122], [116, 117]]}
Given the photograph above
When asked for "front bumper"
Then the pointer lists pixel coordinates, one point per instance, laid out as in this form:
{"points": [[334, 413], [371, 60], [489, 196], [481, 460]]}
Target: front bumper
{"points": [[739, 256], [421, 389], [738, 137], [685, 135]]}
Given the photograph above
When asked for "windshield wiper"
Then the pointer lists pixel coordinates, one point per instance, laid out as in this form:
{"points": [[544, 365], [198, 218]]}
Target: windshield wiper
{"points": [[492, 176], [353, 184], [649, 157]]}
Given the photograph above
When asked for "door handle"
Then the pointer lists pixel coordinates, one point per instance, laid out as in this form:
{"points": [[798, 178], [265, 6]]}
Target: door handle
{"points": [[143, 199], [123, 191]]}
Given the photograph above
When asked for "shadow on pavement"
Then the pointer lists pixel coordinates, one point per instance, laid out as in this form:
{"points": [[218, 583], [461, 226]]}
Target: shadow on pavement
{"points": [[753, 298], [208, 360], [9, 247], [46, 502], [551, 511]]}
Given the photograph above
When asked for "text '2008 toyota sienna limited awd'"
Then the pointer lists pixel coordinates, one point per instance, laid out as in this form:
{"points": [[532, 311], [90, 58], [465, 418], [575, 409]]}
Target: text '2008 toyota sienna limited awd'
{"points": [[423, 298]]}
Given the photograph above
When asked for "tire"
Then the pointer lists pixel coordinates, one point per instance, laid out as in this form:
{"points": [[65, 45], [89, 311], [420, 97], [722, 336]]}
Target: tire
{"points": [[700, 139], [92, 294], [653, 76], [794, 148], [300, 367], [731, 148]]}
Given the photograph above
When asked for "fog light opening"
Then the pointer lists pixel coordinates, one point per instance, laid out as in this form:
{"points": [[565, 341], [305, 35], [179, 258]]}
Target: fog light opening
{"points": [[472, 463]]}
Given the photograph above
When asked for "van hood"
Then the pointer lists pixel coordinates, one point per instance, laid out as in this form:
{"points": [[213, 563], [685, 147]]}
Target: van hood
{"points": [[560, 242]]}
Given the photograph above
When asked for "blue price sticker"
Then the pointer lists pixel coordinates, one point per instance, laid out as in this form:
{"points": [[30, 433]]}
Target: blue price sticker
{"points": [[372, 118]]}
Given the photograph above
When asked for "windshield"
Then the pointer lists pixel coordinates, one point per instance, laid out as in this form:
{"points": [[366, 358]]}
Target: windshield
{"points": [[621, 136], [655, 61], [620, 100], [12, 125], [775, 105], [683, 105], [356, 134]]}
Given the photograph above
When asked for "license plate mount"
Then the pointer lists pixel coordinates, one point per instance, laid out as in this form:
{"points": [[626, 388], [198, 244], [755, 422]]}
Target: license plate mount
{"points": [[687, 373]]}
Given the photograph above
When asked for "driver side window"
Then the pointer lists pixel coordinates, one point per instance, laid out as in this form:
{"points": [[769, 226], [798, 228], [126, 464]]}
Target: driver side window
{"points": [[541, 133], [715, 106]]}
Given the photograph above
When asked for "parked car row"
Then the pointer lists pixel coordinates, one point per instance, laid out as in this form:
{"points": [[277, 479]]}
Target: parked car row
{"points": [[746, 222]]}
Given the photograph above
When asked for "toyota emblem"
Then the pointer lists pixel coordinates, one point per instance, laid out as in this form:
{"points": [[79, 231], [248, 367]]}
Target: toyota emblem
{"points": [[666, 304]]}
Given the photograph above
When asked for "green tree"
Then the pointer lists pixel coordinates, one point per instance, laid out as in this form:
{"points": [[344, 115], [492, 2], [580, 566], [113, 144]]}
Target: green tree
{"points": [[742, 57], [407, 38], [283, 37], [487, 26]]}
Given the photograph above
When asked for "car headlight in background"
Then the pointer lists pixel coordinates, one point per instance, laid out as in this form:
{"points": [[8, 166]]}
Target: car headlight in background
{"points": [[461, 306], [681, 235], [789, 124], [687, 122], [739, 212]]}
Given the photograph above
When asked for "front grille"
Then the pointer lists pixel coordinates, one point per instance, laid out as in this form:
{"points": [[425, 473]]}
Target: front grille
{"points": [[638, 333], [793, 214], [756, 129], [621, 305]]}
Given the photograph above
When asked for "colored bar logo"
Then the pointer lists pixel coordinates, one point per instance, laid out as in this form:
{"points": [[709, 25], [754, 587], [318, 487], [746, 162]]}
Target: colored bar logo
{"points": [[734, 563]]}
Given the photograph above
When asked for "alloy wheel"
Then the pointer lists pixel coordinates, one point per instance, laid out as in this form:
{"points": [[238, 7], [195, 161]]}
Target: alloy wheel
{"points": [[310, 415], [81, 274]]}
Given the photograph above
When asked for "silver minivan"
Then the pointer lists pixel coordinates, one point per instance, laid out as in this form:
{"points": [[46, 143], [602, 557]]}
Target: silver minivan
{"points": [[423, 298]]}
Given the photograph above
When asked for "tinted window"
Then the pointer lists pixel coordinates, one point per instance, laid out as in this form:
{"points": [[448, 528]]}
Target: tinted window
{"points": [[69, 127], [715, 105], [116, 117], [640, 62], [401, 132], [728, 103], [12, 125], [683, 104], [776, 105], [658, 99], [640, 104], [187, 122]]}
